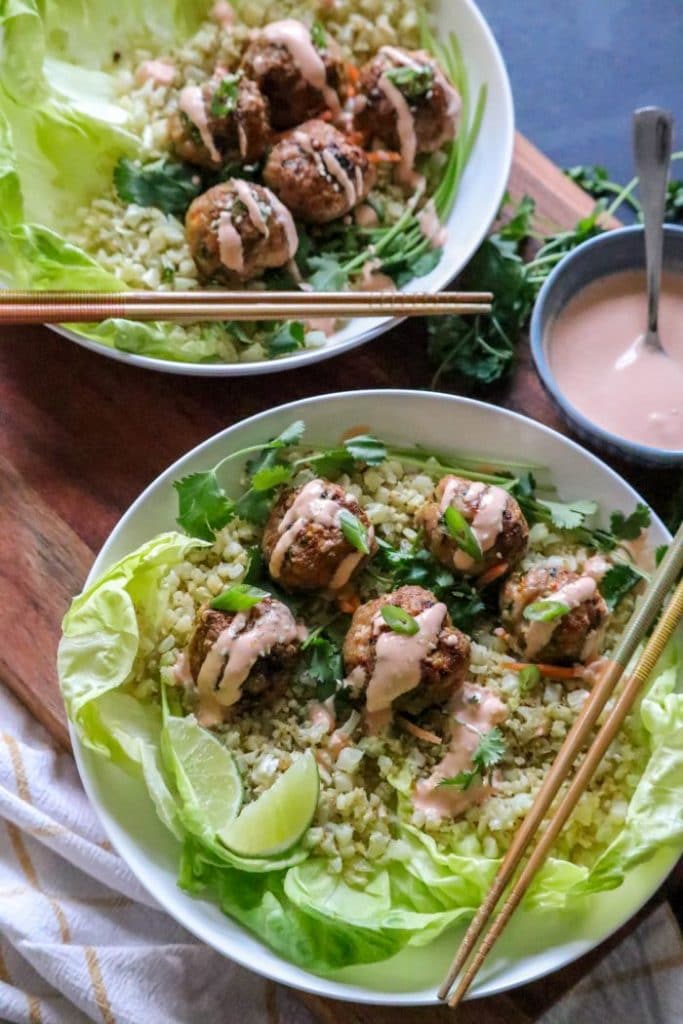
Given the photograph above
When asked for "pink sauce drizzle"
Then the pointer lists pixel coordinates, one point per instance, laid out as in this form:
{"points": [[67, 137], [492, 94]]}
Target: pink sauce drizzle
{"points": [[243, 642], [160, 71], [247, 197], [230, 243], [192, 104], [430, 225], [284, 218], [296, 38], [488, 519], [405, 126], [572, 594], [335, 169], [477, 711], [399, 658]]}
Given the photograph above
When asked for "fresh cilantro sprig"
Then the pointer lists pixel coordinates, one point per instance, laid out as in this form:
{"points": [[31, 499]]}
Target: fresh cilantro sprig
{"points": [[204, 507], [168, 185], [617, 582], [629, 527], [225, 96], [414, 82], [490, 752], [414, 565]]}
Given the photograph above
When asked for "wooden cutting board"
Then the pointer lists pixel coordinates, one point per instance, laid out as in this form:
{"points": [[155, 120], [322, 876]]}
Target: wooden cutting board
{"points": [[81, 436]]}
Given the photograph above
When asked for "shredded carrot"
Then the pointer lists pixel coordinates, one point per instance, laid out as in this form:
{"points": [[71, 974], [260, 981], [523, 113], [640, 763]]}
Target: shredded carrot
{"points": [[492, 574], [353, 74], [383, 156], [551, 671], [349, 603], [418, 731]]}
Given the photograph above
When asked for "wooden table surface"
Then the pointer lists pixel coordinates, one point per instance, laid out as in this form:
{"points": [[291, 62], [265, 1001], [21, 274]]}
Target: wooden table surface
{"points": [[81, 436]]}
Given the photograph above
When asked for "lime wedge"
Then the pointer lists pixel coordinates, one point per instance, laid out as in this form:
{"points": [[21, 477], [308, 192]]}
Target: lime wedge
{"points": [[279, 817], [207, 777]]}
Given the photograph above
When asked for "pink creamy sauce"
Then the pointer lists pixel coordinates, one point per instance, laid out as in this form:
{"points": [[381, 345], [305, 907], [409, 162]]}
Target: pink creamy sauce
{"points": [[477, 711], [230, 243], [372, 280], [571, 594], [253, 210], [191, 103], [430, 225], [326, 324], [234, 654], [309, 506], [160, 71], [614, 381], [488, 519], [399, 659], [295, 37]]}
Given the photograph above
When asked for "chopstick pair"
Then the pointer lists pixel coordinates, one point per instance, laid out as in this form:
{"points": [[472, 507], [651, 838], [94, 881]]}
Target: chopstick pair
{"points": [[643, 617], [38, 307]]}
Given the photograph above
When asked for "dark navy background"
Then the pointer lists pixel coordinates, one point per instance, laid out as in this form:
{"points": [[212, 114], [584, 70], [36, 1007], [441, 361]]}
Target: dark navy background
{"points": [[580, 67]]}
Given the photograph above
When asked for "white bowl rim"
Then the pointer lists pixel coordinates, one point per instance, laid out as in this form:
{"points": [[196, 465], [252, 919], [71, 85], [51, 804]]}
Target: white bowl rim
{"points": [[444, 272], [312, 983]]}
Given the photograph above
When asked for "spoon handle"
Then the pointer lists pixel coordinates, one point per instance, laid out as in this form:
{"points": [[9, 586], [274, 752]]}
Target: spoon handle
{"points": [[652, 141]]}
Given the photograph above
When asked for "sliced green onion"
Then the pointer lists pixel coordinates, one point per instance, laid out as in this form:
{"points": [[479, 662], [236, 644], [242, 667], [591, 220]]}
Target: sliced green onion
{"points": [[546, 610], [461, 532], [529, 678], [399, 620], [238, 598], [354, 531]]}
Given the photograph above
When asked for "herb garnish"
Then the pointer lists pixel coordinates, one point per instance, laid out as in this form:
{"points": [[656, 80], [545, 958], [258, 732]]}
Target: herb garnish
{"points": [[318, 36], [617, 582], [238, 598], [399, 620], [630, 527], [528, 679], [224, 99], [354, 531], [462, 533], [488, 754], [545, 610], [169, 186], [413, 82], [286, 337]]}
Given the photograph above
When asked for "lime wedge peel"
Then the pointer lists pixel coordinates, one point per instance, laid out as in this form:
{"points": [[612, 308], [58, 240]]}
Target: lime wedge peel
{"points": [[206, 775], [277, 820]]}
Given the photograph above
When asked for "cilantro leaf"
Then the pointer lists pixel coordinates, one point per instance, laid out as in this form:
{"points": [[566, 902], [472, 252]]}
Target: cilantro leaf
{"points": [[660, 552], [617, 582], [288, 337], [407, 269], [203, 505], [630, 527], [224, 99], [271, 454], [169, 186], [254, 506], [568, 515], [238, 598], [488, 754], [399, 620], [268, 477], [318, 36], [354, 531], [324, 664], [328, 276]]}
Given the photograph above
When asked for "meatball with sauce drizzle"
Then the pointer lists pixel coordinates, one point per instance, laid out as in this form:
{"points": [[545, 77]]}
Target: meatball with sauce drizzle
{"points": [[406, 103], [318, 173], [494, 517], [237, 230], [236, 654], [546, 633], [225, 119], [405, 671], [304, 544], [299, 70]]}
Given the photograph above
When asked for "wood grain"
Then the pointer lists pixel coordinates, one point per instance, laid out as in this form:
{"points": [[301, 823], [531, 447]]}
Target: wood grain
{"points": [[81, 436]]}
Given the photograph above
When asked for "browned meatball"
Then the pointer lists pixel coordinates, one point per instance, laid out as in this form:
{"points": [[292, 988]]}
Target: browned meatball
{"points": [[303, 542], [264, 670], [300, 74], [237, 230], [575, 636], [317, 173], [405, 673], [494, 517], [226, 119], [406, 103]]}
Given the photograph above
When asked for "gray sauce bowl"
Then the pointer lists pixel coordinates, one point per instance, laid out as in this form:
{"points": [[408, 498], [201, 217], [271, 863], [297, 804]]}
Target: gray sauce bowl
{"points": [[622, 249]]}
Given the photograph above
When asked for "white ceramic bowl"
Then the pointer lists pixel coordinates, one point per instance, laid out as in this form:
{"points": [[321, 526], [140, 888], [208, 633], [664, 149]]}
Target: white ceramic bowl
{"points": [[442, 423], [481, 191]]}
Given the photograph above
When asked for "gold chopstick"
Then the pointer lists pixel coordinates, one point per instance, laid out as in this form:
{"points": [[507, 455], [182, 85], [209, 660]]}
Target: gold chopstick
{"points": [[91, 307], [641, 620]]}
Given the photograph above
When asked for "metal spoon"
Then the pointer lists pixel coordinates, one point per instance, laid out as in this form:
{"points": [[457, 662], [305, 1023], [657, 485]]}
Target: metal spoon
{"points": [[652, 141]]}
